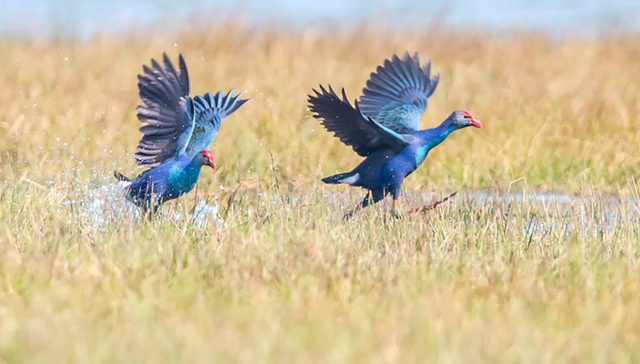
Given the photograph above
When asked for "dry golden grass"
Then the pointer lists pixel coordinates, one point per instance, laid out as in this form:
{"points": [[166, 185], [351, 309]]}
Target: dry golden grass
{"points": [[284, 279]]}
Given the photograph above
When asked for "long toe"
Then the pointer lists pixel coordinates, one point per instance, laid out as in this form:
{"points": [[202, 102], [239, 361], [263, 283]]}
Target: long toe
{"points": [[433, 205]]}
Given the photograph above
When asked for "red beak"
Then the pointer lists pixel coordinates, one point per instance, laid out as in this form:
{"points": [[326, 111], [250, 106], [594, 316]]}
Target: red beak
{"points": [[209, 159], [474, 122]]}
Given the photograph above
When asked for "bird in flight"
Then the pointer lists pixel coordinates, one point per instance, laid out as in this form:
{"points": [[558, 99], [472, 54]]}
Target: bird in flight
{"points": [[383, 127], [176, 134]]}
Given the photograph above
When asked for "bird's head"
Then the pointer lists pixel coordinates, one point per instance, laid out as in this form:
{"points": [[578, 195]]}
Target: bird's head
{"points": [[463, 118], [207, 159]]}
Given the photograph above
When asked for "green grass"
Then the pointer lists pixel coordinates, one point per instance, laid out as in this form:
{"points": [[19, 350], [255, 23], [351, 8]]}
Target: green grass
{"points": [[284, 279]]}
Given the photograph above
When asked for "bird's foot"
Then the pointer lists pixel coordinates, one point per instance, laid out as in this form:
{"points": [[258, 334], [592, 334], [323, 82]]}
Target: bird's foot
{"points": [[349, 214], [432, 205], [396, 214]]}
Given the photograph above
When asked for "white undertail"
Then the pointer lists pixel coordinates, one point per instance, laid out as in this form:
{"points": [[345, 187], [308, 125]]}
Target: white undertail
{"points": [[351, 179]]}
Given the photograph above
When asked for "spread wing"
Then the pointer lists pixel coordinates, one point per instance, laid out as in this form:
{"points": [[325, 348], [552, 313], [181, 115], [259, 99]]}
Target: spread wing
{"points": [[353, 128], [210, 111], [396, 94], [167, 112]]}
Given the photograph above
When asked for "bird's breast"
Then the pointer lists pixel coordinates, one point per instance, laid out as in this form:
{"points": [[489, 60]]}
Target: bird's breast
{"points": [[183, 180]]}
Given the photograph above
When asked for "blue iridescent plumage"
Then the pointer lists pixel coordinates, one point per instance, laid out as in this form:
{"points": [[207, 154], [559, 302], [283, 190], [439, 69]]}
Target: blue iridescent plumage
{"points": [[178, 129], [167, 181], [383, 126]]}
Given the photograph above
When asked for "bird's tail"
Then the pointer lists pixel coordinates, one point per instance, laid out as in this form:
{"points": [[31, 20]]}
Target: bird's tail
{"points": [[120, 177], [349, 178], [122, 188]]}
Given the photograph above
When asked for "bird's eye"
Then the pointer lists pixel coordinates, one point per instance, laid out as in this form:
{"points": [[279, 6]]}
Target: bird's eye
{"points": [[466, 116]]}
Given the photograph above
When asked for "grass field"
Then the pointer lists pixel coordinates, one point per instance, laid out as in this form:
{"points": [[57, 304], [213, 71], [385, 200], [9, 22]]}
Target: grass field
{"points": [[284, 279]]}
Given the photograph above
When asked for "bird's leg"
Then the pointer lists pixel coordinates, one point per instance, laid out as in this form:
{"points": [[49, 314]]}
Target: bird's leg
{"points": [[151, 208], [367, 200], [156, 209], [348, 215], [150, 211], [432, 205], [394, 208], [395, 195], [147, 212], [372, 197]]}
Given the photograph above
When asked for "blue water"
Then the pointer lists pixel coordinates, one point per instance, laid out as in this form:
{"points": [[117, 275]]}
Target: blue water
{"points": [[85, 18]]}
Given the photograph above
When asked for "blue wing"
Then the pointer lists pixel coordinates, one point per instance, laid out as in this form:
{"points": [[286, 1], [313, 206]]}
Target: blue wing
{"points": [[167, 111], [210, 111], [362, 133], [396, 94]]}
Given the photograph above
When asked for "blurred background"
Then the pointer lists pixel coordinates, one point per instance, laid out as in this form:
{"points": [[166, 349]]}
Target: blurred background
{"points": [[536, 260], [79, 18], [551, 80]]}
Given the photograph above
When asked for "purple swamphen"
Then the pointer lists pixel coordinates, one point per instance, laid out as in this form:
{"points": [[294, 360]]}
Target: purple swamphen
{"points": [[177, 132], [383, 126]]}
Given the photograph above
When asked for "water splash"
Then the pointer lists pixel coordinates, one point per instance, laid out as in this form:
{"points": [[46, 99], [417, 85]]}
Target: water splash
{"points": [[101, 206], [202, 215], [552, 213]]}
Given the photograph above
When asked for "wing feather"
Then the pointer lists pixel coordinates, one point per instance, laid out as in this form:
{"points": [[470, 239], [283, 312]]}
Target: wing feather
{"points": [[396, 94], [167, 112], [211, 111], [354, 129]]}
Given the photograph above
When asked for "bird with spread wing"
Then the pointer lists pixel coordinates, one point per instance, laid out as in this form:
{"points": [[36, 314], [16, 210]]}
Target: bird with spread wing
{"points": [[176, 133], [383, 127]]}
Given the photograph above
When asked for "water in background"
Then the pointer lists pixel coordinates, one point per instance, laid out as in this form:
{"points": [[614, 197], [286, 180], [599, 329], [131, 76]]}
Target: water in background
{"points": [[84, 18]]}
